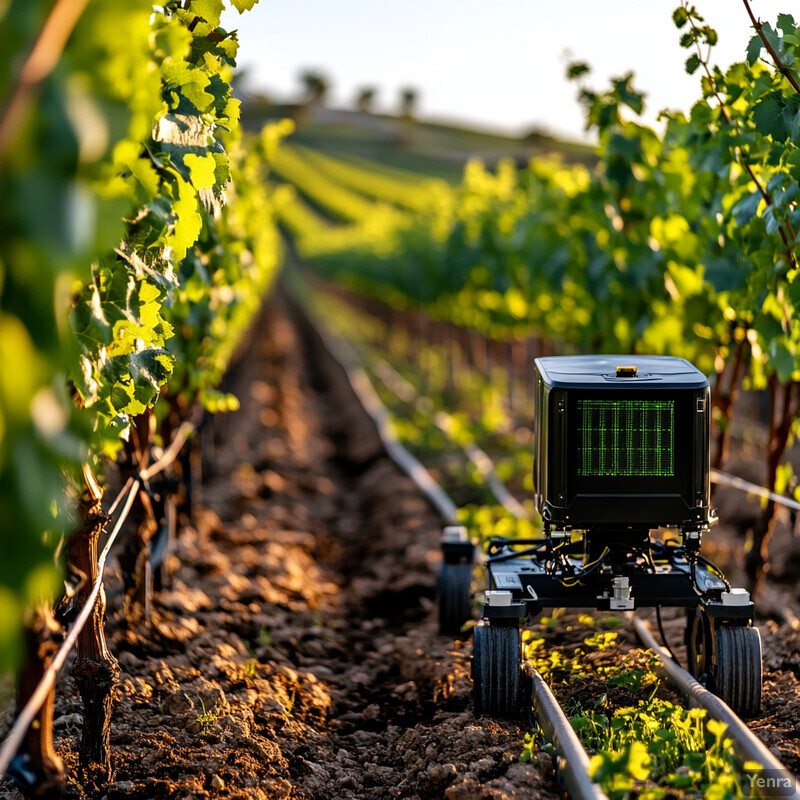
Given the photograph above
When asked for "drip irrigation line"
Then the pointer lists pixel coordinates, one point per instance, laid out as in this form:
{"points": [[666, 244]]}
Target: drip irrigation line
{"points": [[26, 717], [37, 699], [171, 453], [113, 507], [748, 746], [573, 761], [445, 422], [365, 392], [369, 399], [724, 479]]}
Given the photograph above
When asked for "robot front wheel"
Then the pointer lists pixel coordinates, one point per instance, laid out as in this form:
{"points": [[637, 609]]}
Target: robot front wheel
{"points": [[734, 673], [497, 670]]}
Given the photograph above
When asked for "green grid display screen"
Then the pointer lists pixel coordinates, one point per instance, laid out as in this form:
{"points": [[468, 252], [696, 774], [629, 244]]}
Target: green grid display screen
{"points": [[626, 438]]}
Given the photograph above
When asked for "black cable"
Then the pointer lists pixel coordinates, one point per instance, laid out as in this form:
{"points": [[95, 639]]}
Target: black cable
{"points": [[664, 637], [513, 554], [649, 556], [579, 576]]}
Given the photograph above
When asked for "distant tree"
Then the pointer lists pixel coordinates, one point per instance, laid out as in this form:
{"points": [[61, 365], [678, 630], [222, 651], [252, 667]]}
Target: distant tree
{"points": [[365, 98], [409, 98], [315, 85], [538, 135], [241, 77]]}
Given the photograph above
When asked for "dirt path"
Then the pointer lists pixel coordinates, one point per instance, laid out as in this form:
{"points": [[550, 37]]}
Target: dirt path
{"points": [[295, 654]]}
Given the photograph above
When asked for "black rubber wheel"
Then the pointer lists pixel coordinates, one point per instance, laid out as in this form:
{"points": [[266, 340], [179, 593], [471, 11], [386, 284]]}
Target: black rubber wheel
{"points": [[698, 643], [737, 678], [455, 597], [496, 671]]}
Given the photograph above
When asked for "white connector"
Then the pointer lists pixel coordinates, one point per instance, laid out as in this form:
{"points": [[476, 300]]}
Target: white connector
{"points": [[736, 597], [499, 598], [455, 533]]}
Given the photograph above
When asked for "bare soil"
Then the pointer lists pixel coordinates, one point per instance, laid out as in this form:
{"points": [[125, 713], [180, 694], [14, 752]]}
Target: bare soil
{"points": [[295, 652]]}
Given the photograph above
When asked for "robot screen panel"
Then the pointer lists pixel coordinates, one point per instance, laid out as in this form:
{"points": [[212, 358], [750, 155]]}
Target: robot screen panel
{"points": [[626, 438]]}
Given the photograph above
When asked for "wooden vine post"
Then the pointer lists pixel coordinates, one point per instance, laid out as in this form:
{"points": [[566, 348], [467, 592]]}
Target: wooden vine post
{"points": [[723, 398], [37, 768], [135, 558], [782, 413], [95, 670]]}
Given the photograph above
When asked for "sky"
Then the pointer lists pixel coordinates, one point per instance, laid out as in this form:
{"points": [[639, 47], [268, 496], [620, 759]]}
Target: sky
{"points": [[496, 64]]}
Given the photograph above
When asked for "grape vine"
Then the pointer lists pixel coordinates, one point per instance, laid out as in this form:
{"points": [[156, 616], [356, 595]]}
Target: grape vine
{"points": [[124, 274], [682, 242]]}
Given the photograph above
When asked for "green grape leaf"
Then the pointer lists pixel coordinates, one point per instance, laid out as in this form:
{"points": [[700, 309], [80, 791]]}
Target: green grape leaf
{"points": [[754, 49], [172, 41], [220, 91], [787, 24], [209, 10], [776, 115], [577, 69], [746, 208], [627, 95], [185, 88], [147, 178], [772, 224], [202, 170], [222, 169], [781, 358], [178, 135], [149, 369], [243, 5], [188, 222], [692, 63], [680, 17]]}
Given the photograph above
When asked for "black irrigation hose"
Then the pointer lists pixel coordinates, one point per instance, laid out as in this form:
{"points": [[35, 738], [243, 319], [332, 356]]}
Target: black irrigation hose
{"points": [[747, 744], [574, 760]]}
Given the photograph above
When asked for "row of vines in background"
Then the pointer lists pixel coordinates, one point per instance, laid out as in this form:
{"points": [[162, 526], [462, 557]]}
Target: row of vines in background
{"points": [[137, 241], [681, 243]]}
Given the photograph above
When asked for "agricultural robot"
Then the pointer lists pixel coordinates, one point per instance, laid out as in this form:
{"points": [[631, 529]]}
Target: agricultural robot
{"points": [[621, 482]]}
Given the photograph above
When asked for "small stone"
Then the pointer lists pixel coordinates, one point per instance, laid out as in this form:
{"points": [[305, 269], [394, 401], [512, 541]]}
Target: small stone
{"points": [[406, 691], [122, 786], [217, 783], [372, 711], [68, 720], [440, 775], [322, 672], [483, 767], [177, 703], [128, 661], [272, 706]]}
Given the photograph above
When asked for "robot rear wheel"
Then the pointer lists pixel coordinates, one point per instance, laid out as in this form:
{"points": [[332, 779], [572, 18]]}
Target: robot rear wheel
{"points": [[738, 671], [455, 597], [497, 671]]}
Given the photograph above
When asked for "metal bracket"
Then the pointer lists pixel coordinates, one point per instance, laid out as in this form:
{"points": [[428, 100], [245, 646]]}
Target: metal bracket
{"points": [[622, 600], [457, 547]]}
